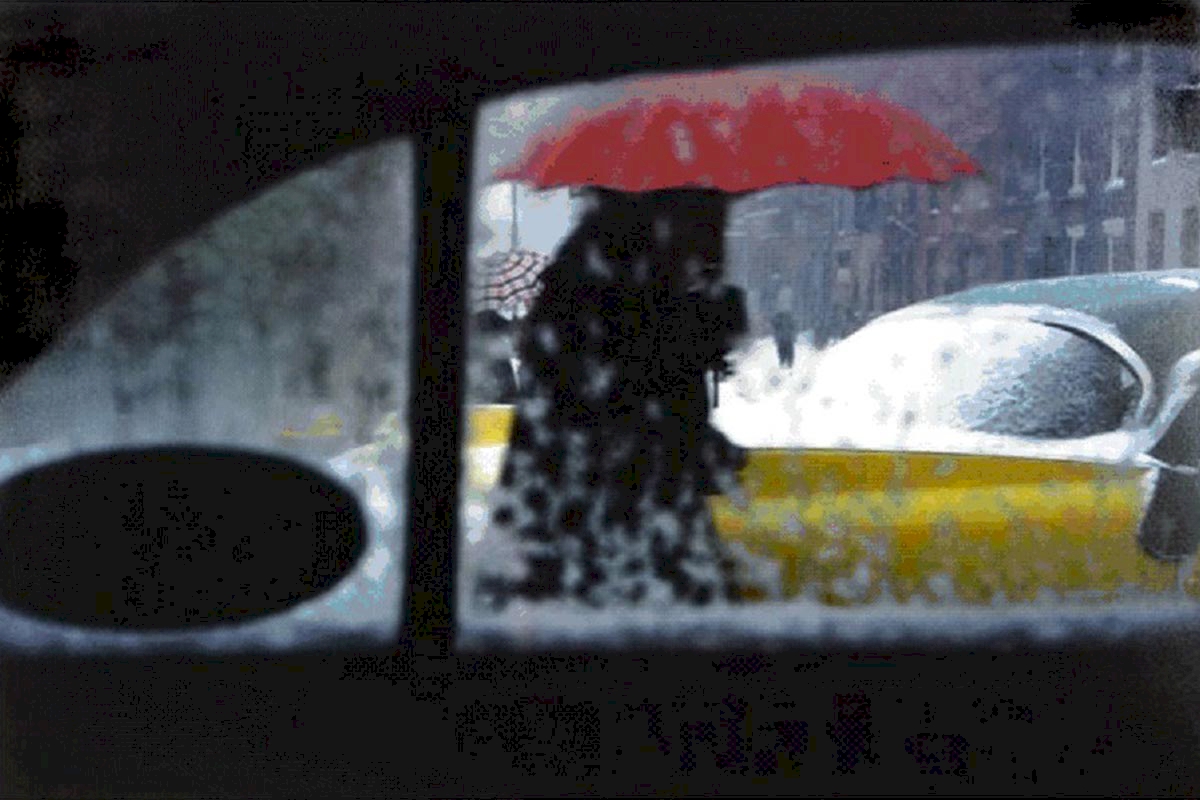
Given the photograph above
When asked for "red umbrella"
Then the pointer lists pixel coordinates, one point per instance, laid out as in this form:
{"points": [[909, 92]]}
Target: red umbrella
{"points": [[740, 132]]}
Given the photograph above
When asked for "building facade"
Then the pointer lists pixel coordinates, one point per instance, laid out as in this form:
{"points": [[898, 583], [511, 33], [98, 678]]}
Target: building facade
{"points": [[1167, 229], [1059, 194]]}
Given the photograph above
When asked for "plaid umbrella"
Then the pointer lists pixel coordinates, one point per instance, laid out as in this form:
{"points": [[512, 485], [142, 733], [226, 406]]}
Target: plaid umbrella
{"points": [[510, 283]]}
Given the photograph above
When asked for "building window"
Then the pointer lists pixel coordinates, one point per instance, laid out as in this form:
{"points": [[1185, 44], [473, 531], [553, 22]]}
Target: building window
{"points": [[843, 275], [1115, 181], [867, 210], [1077, 189], [893, 280], [1012, 183], [1177, 120], [1008, 259], [935, 200], [1054, 256], [1163, 124], [1074, 235], [844, 290], [1189, 237], [1034, 261], [1114, 232], [962, 277], [1187, 118], [1043, 192], [931, 268], [1156, 230]]}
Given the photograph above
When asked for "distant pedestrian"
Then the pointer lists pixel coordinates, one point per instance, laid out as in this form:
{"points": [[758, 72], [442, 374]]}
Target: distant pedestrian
{"points": [[784, 325]]}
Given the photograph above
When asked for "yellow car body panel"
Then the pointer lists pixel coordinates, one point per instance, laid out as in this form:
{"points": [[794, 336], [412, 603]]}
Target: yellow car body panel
{"points": [[850, 527], [491, 425], [323, 426]]}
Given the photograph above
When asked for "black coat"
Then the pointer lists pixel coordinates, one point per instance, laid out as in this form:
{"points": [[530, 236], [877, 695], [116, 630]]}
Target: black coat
{"points": [[784, 326], [612, 451]]}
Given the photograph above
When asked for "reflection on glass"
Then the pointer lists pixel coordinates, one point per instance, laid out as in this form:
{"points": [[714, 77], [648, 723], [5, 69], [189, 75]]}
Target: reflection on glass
{"points": [[281, 326], [980, 396]]}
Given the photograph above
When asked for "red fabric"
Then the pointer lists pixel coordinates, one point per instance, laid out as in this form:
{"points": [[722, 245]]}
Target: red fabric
{"points": [[740, 133]]}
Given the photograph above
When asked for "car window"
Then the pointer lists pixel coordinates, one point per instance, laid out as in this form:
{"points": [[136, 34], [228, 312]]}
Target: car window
{"points": [[904, 464], [282, 327]]}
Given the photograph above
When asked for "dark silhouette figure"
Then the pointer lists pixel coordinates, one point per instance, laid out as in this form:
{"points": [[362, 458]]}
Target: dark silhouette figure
{"points": [[612, 452], [501, 383], [724, 312], [784, 326]]}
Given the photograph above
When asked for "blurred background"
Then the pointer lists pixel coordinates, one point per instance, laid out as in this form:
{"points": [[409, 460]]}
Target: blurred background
{"points": [[1089, 165]]}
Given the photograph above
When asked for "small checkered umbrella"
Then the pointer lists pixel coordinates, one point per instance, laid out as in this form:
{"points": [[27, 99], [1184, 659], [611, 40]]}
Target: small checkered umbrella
{"points": [[510, 282]]}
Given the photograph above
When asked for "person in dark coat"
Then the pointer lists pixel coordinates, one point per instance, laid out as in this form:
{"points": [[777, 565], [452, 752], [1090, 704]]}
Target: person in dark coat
{"points": [[612, 452], [723, 313], [784, 325], [495, 331]]}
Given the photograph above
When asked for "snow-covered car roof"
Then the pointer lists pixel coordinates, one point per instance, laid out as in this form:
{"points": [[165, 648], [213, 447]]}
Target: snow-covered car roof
{"points": [[1007, 378], [1154, 312]]}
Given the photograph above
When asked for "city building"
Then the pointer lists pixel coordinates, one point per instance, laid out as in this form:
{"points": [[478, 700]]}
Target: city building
{"points": [[1058, 195], [1167, 229]]}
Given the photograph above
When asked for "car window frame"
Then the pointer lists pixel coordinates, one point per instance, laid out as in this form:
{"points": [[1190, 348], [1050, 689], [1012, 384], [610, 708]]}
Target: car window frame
{"points": [[1069, 320], [445, 134]]}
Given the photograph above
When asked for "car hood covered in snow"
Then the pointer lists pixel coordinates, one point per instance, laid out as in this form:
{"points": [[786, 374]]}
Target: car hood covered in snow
{"points": [[959, 374]]}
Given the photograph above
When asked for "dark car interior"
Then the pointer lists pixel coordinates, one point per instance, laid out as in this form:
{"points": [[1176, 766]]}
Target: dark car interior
{"points": [[417, 717]]}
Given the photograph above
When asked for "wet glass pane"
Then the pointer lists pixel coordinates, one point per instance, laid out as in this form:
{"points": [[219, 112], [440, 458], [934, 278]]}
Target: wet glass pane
{"points": [[933, 400], [281, 327]]}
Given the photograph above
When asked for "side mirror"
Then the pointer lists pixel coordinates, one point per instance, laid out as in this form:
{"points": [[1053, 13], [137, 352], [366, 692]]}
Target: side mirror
{"points": [[172, 538], [1182, 385], [1170, 528]]}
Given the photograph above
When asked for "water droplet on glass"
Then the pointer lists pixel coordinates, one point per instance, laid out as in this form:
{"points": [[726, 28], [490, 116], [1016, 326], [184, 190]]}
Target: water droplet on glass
{"points": [[942, 587], [681, 143], [945, 467]]}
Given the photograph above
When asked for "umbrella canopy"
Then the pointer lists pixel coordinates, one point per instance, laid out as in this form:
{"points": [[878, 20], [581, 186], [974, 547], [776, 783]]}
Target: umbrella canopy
{"points": [[740, 132], [510, 283]]}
